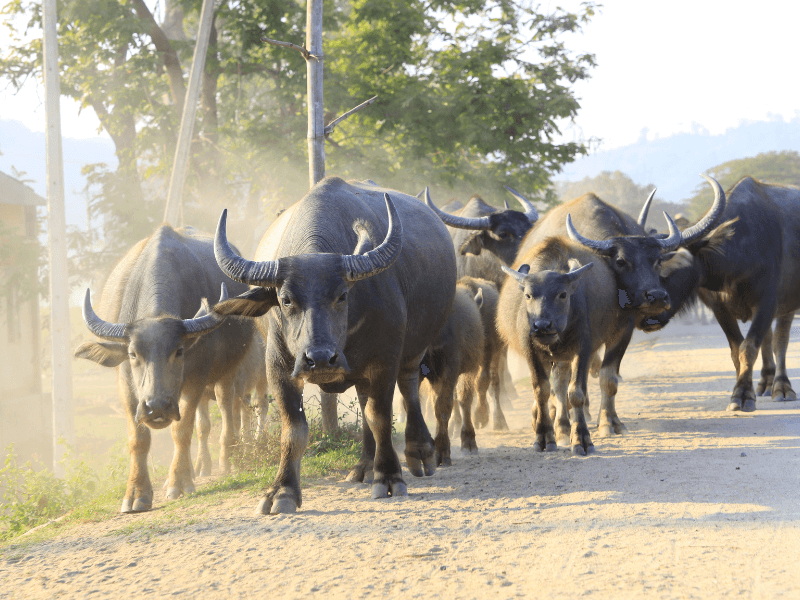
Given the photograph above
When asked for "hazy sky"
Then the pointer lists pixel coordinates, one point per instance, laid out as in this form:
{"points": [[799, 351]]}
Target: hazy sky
{"points": [[663, 66]]}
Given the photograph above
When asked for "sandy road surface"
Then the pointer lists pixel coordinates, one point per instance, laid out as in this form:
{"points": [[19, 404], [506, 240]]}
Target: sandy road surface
{"points": [[693, 503]]}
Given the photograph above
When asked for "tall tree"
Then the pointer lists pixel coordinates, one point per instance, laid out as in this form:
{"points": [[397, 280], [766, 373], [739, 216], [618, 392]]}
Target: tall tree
{"points": [[471, 96]]}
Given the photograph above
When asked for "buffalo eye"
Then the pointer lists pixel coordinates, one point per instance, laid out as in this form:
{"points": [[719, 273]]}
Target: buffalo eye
{"points": [[504, 235], [527, 296], [179, 352], [562, 296], [342, 298], [621, 262], [286, 301], [132, 355]]}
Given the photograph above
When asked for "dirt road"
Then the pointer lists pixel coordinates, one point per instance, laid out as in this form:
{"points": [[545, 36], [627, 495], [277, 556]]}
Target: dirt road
{"points": [[693, 503]]}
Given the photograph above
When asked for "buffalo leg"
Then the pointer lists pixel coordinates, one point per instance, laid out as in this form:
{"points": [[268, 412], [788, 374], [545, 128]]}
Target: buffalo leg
{"points": [[224, 391], [139, 491], [202, 465], [387, 473], [443, 408], [284, 495], [744, 397], [363, 470], [767, 366], [419, 444], [481, 415], [465, 393], [328, 404], [580, 440], [455, 419], [495, 378], [559, 402], [608, 422], [781, 388], [545, 436], [261, 408], [180, 479], [509, 392]]}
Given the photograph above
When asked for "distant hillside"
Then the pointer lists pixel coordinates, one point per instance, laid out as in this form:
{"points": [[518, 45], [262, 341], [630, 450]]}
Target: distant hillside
{"points": [[24, 150], [673, 163]]}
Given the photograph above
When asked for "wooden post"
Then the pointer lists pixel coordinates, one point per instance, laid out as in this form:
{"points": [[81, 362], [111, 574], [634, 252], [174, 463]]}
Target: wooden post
{"points": [[316, 113], [181, 162], [63, 428]]}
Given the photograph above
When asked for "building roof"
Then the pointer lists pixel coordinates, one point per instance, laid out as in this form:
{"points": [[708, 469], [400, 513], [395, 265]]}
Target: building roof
{"points": [[13, 191]]}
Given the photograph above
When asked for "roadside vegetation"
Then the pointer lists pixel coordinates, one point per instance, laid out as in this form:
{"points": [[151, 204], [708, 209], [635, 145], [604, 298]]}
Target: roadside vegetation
{"points": [[33, 498]]}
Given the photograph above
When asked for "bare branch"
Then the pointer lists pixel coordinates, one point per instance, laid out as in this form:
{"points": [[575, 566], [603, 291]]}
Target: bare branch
{"points": [[332, 125], [306, 54]]}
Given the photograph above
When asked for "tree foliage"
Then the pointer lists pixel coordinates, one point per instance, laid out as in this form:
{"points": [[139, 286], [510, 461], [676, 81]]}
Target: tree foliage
{"points": [[471, 96], [618, 189], [782, 168]]}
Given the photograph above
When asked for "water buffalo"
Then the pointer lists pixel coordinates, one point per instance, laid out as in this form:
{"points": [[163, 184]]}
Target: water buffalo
{"points": [[337, 311], [633, 257], [494, 353], [559, 306], [486, 238], [250, 404], [454, 360], [747, 269], [164, 356]]}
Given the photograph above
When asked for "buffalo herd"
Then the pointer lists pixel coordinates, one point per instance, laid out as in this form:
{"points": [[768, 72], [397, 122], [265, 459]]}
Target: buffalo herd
{"points": [[370, 288]]}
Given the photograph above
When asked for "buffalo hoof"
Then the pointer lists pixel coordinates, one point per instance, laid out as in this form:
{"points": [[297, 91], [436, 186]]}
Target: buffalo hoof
{"points": [[173, 493], [393, 489], [468, 444], [139, 505], [735, 406], [283, 506], [362, 472], [541, 447], [782, 390], [608, 424], [442, 458], [481, 417], [418, 468], [749, 405], [563, 431], [499, 422], [766, 384]]}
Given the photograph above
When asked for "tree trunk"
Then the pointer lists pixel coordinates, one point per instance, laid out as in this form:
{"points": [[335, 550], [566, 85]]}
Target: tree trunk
{"points": [[316, 113]]}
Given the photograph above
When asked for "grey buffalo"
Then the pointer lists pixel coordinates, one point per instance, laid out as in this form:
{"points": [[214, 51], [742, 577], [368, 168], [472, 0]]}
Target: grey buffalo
{"points": [[340, 308], [634, 259], [486, 238], [164, 355], [747, 269]]}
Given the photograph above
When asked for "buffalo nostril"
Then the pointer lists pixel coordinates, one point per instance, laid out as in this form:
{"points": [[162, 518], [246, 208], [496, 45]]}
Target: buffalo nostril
{"points": [[310, 361], [333, 358]]}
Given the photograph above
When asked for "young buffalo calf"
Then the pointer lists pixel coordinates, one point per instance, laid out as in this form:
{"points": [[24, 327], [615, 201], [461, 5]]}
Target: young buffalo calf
{"points": [[455, 359], [553, 310]]}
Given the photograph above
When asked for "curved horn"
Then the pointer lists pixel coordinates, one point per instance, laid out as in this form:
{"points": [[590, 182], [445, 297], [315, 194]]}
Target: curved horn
{"points": [[113, 332], [237, 268], [601, 245], [674, 239], [646, 208], [208, 322], [456, 221], [530, 209], [576, 273], [361, 266], [518, 275], [712, 216]]}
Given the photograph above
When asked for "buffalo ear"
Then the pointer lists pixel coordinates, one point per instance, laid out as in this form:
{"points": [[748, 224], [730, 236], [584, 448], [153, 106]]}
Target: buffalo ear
{"points": [[107, 354], [479, 298], [253, 303], [473, 245]]}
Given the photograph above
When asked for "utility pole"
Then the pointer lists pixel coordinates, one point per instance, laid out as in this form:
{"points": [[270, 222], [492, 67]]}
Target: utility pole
{"points": [[317, 132], [181, 162], [63, 428]]}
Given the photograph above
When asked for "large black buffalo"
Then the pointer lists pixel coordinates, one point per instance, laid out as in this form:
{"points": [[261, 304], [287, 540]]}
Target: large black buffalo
{"points": [[339, 310], [485, 239], [634, 257], [747, 269], [165, 358]]}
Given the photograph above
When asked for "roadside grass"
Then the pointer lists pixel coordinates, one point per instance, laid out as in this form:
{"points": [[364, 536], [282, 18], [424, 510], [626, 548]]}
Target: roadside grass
{"points": [[36, 506]]}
